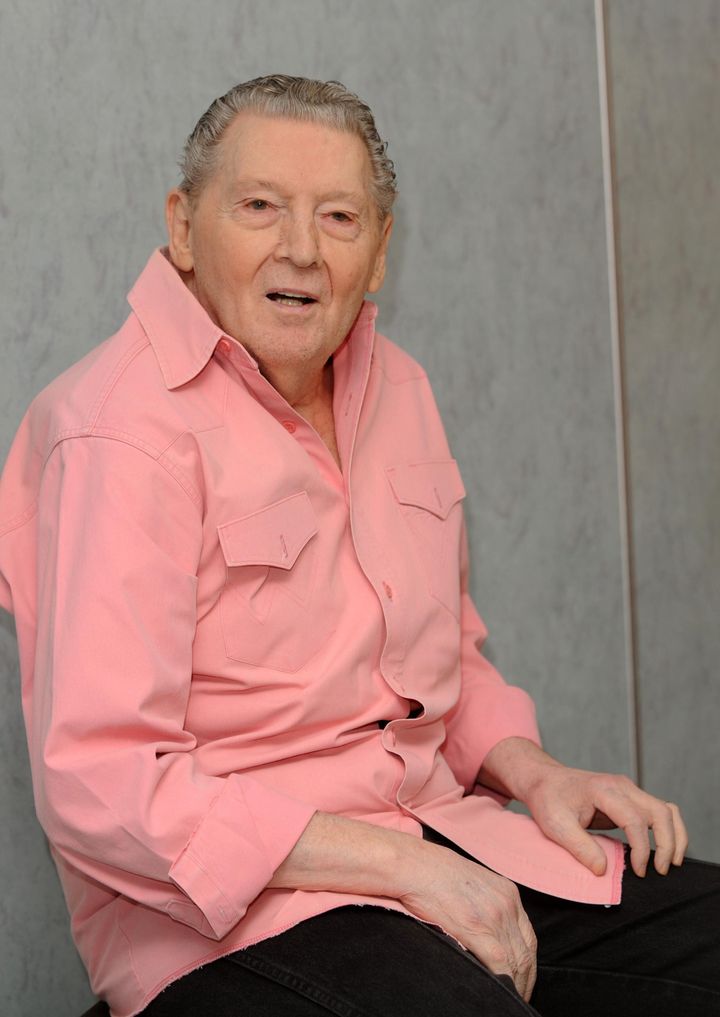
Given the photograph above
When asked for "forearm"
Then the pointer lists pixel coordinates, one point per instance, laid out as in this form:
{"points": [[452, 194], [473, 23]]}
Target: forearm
{"points": [[350, 856]]}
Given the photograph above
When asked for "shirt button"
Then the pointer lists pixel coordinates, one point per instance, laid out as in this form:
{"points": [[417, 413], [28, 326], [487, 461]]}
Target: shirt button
{"points": [[290, 426], [388, 590], [224, 346]]}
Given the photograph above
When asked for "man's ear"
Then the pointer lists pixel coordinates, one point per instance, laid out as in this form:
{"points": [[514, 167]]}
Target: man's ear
{"points": [[178, 216], [378, 275]]}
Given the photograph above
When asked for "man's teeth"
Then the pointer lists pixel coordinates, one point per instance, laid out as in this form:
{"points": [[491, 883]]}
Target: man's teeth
{"points": [[290, 299]]}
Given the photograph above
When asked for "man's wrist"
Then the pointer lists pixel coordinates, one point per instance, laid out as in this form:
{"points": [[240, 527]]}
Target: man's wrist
{"points": [[514, 766]]}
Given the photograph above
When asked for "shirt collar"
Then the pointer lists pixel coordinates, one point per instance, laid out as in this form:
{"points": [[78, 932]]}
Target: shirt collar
{"points": [[181, 332]]}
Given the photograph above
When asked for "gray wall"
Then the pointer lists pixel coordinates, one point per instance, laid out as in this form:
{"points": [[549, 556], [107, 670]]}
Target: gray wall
{"points": [[498, 282]]}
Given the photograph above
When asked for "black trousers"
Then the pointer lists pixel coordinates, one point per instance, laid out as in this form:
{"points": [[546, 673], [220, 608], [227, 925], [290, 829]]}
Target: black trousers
{"points": [[655, 955]]}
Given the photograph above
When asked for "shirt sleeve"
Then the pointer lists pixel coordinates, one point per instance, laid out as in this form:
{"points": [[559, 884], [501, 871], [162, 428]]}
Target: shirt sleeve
{"points": [[117, 788], [488, 709]]}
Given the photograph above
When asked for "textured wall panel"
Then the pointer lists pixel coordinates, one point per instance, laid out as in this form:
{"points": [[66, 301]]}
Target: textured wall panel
{"points": [[666, 84], [40, 972]]}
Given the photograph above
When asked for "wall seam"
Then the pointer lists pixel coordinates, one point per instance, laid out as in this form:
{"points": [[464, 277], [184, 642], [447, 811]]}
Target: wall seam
{"points": [[617, 341]]}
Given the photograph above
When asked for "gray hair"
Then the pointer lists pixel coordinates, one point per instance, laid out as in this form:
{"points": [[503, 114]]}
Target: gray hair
{"points": [[280, 95]]}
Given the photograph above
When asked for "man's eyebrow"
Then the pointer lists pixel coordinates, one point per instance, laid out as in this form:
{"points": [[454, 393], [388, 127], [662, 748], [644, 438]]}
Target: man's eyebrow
{"points": [[250, 183], [245, 183], [354, 196]]}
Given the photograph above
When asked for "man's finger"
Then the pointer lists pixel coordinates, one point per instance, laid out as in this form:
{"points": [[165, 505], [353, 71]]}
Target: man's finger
{"points": [[501, 960], [663, 828], [529, 938], [636, 832], [681, 834], [631, 815], [568, 833]]}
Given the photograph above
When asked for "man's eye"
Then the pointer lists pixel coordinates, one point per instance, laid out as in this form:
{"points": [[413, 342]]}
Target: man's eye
{"points": [[340, 217], [258, 205]]}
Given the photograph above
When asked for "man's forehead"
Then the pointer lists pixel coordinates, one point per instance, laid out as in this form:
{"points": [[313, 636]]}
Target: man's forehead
{"points": [[272, 151]]}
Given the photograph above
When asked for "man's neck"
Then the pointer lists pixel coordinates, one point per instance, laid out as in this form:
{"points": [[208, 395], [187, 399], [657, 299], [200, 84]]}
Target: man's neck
{"points": [[312, 397]]}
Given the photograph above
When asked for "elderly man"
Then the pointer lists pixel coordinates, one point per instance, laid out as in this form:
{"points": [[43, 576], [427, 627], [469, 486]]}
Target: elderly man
{"points": [[254, 694]]}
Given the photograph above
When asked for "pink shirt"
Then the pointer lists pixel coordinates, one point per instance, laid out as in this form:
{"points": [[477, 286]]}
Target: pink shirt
{"points": [[212, 618]]}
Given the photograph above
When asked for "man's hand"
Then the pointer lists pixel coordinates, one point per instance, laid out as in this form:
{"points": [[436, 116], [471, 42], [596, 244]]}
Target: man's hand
{"points": [[566, 803], [479, 908]]}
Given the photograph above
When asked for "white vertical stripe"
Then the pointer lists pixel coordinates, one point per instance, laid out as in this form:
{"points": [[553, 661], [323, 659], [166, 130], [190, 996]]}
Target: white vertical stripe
{"points": [[617, 342]]}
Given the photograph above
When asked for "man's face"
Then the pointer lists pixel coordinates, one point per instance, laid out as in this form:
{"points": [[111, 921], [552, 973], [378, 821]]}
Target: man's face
{"points": [[284, 240]]}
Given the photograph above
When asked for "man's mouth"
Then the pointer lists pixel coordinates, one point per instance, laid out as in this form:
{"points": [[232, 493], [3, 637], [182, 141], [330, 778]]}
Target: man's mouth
{"points": [[289, 298]]}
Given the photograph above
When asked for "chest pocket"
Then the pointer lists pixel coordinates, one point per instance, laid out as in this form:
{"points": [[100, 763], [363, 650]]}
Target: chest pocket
{"points": [[429, 495], [268, 611]]}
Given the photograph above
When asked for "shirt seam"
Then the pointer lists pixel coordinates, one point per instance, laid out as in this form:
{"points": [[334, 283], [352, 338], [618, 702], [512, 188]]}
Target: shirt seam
{"points": [[112, 434], [161, 458], [114, 376], [233, 913], [131, 955], [90, 429]]}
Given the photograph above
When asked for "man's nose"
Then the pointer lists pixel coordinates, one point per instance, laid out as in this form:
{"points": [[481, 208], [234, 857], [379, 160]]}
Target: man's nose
{"points": [[300, 241]]}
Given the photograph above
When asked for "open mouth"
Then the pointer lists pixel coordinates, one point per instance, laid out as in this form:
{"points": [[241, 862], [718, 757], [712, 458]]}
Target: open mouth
{"points": [[290, 299]]}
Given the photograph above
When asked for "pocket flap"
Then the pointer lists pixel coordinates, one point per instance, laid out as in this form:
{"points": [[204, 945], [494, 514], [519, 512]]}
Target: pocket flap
{"points": [[274, 535], [435, 486]]}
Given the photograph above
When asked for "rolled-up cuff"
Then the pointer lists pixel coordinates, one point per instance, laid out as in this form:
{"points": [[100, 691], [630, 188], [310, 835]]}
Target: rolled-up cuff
{"points": [[231, 857]]}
